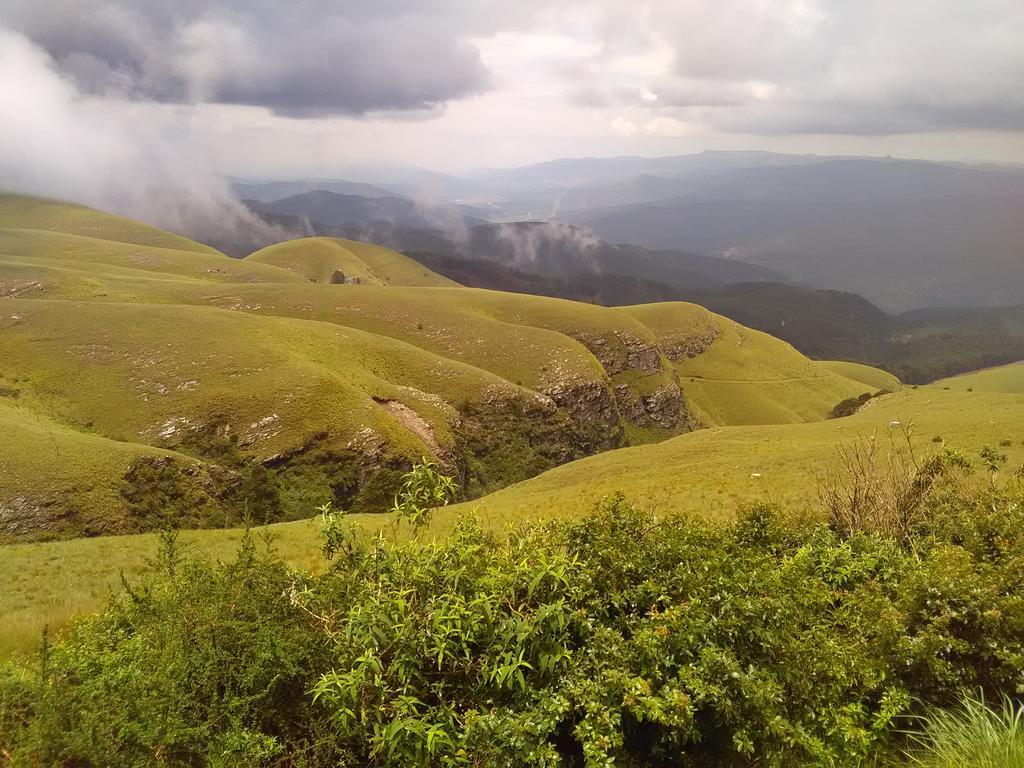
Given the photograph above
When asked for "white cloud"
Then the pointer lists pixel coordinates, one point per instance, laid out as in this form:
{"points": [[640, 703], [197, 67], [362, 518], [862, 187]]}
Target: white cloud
{"points": [[55, 142], [478, 82]]}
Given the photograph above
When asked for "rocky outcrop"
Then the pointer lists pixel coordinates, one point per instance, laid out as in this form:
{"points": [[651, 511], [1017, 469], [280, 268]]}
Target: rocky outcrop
{"points": [[24, 515], [690, 345], [593, 408], [664, 408], [621, 352]]}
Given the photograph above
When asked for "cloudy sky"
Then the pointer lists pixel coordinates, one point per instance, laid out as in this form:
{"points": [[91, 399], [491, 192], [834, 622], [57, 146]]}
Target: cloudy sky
{"points": [[307, 87]]}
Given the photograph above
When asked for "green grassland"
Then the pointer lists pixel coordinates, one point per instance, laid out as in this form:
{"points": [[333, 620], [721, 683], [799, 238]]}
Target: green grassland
{"points": [[710, 472], [1005, 378], [23, 212], [334, 260], [734, 375], [715, 471], [144, 341], [38, 247], [181, 380], [142, 371], [43, 464], [875, 378], [558, 344]]}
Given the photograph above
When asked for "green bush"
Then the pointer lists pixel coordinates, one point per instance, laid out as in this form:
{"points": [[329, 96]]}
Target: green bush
{"points": [[201, 664], [623, 638]]}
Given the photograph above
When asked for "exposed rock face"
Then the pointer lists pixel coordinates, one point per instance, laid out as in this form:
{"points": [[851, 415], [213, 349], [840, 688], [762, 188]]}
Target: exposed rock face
{"points": [[25, 515], [592, 406], [15, 291], [413, 422], [665, 408], [691, 345], [340, 278], [624, 352]]}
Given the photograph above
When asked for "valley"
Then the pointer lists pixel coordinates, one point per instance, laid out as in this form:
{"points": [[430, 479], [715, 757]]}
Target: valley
{"points": [[124, 349], [489, 385]]}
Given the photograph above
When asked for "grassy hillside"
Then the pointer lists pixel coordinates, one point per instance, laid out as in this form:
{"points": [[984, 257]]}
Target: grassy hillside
{"points": [[22, 212], [289, 390], [735, 375], [710, 473], [56, 478], [713, 471], [332, 409], [333, 260], [32, 248], [875, 378], [1006, 378], [478, 327]]}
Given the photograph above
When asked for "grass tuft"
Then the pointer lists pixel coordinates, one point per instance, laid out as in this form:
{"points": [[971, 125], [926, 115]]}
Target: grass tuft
{"points": [[974, 735]]}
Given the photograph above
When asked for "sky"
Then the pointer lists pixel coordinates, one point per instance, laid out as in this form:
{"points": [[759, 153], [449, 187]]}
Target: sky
{"points": [[307, 87]]}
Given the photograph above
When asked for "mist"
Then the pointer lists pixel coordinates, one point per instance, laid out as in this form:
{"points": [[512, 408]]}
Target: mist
{"points": [[530, 245], [58, 143]]}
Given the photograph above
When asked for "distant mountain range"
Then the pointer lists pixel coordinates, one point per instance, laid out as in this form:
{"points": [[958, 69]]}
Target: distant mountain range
{"points": [[332, 209], [905, 234], [270, 191], [771, 240], [548, 249]]}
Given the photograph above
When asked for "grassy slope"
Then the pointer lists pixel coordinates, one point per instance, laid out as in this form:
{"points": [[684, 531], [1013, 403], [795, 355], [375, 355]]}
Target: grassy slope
{"points": [[709, 472], [713, 471], [192, 326], [37, 452], [33, 247], [130, 330], [170, 368], [875, 378], [71, 359], [1005, 378], [318, 259], [19, 211], [744, 376]]}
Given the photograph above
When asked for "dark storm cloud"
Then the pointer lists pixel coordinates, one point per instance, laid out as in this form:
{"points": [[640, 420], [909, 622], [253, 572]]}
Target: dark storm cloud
{"points": [[303, 58], [765, 67]]}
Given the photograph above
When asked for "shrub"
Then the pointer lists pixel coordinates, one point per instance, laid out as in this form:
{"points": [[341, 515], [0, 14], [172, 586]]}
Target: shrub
{"points": [[201, 663], [884, 490], [850, 406], [622, 638]]}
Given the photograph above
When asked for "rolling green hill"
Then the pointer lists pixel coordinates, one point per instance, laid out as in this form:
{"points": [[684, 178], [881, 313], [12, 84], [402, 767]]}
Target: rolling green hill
{"points": [[23, 212], [332, 407], [144, 378], [184, 385], [875, 378], [714, 471], [34, 248], [1005, 378], [333, 260], [735, 375]]}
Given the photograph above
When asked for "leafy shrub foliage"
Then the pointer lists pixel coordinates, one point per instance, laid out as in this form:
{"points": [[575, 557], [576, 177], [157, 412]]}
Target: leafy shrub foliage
{"points": [[620, 639], [851, 405]]}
